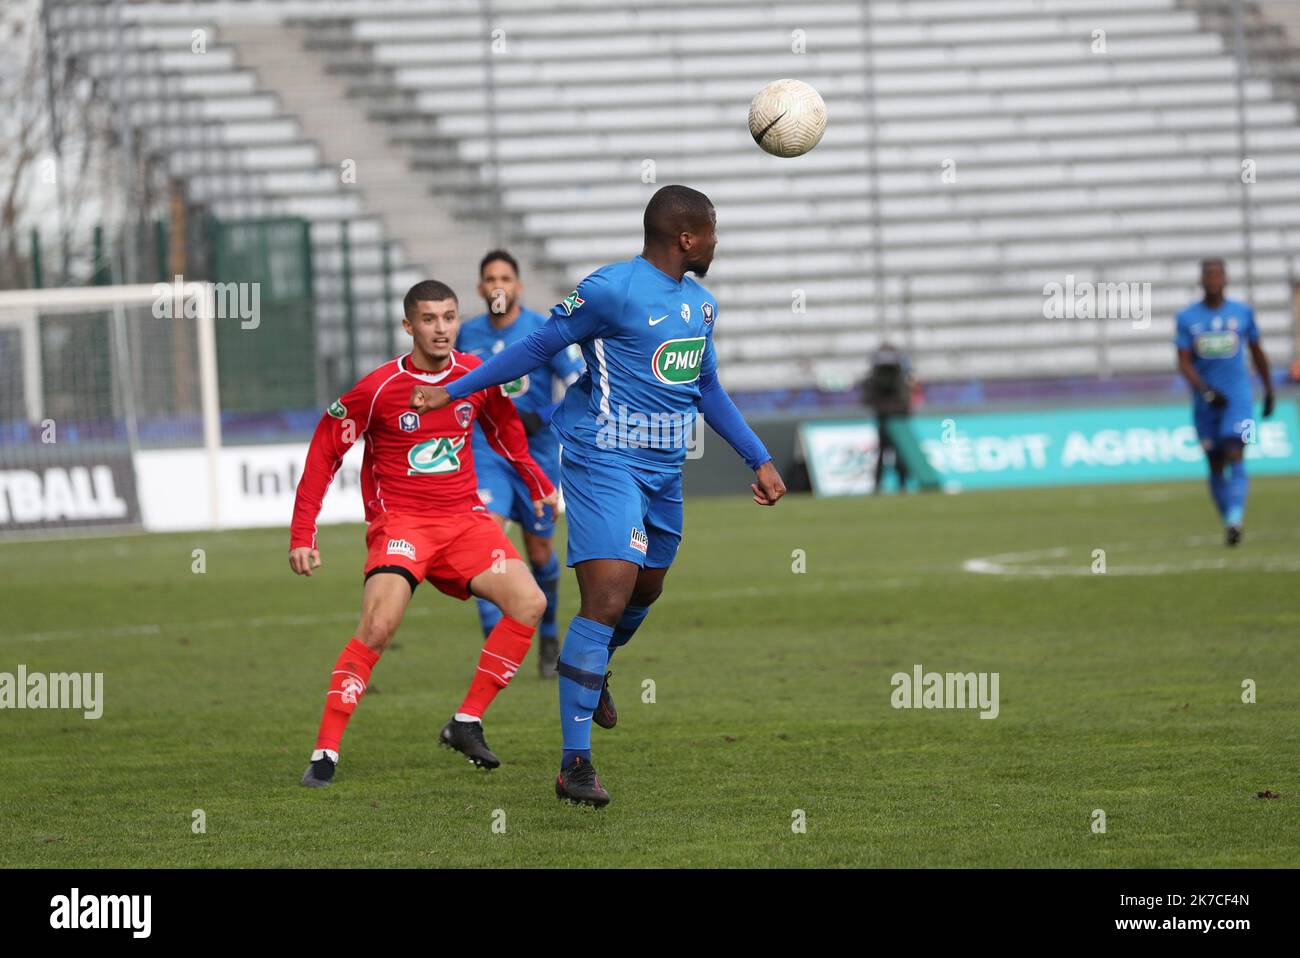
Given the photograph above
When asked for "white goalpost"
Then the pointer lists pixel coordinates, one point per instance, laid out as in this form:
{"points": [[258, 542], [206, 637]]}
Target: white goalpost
{"points": [[84, 372]]}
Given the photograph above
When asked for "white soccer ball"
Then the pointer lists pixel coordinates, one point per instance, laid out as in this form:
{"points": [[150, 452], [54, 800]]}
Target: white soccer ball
{"points": [[787, 118]]}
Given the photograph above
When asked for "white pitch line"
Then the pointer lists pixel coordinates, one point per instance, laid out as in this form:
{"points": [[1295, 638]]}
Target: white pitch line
{"points": [[308, 619], [1009, 563], [200, 625]]}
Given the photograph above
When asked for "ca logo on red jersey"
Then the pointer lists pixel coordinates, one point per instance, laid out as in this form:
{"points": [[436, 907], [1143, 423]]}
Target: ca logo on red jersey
{"points": [[435, 457]]}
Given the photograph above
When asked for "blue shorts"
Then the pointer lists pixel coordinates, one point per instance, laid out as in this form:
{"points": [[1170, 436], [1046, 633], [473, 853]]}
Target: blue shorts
{"points": [[505, 494], [1232, 422], [617, 511]]}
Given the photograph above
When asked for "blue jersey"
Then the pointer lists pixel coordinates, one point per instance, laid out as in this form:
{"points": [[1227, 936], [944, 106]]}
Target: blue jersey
{"points": [[531, 392], [647, 339], [648, 342], [1216, 338]]}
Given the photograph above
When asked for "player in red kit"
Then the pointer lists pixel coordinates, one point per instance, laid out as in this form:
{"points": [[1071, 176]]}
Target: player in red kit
{"points": [[426, 521]]}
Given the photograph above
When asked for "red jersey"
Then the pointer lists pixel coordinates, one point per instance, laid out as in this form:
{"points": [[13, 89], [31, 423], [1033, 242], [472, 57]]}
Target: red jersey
{"points": [[414, 464]]}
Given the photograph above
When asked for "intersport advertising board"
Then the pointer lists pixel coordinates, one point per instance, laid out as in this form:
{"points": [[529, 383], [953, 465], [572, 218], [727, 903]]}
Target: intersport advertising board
{"points": [[256, 487]]}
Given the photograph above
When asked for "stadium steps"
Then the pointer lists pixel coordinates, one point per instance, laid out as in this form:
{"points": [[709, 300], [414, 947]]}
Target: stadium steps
{"points": [[1271, 29], [434, 244], [998, 83], [1113, 167], [242, 157]]}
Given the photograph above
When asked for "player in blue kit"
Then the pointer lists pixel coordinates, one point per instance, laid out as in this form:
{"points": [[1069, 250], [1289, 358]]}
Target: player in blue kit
{"points": [[502, 491], [1209, 338], [646, 333]]}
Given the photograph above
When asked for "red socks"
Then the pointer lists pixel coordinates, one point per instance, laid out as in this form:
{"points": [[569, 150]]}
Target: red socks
{"points": [[505, 648], [347, 685]]}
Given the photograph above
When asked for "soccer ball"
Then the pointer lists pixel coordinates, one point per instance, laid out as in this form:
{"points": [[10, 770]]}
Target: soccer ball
{"points": [[787, 118]]}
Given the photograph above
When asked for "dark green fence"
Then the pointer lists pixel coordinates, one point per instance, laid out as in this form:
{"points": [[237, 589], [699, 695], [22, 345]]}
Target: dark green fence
{"points": [[270, 363]]}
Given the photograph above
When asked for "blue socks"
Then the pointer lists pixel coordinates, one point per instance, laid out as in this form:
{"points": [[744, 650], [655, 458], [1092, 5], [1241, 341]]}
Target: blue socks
{"points": [[633, 616], [1236, 485], [583, 658], [588, 647], [548, 579], [1219, 492]]}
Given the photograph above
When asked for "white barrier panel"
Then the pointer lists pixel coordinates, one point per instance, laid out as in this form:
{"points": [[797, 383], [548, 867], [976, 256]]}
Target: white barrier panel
{"points": [[256, 487], [71, 493], [841, 456]]}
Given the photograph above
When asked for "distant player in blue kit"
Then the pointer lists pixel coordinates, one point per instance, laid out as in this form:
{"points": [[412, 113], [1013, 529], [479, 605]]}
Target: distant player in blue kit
{"points": [[646, 333], [1210, 356], [507, 322]]}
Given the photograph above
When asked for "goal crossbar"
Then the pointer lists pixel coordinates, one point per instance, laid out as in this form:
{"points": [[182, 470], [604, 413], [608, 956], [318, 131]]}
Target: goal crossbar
{"points": [[23, 308]]}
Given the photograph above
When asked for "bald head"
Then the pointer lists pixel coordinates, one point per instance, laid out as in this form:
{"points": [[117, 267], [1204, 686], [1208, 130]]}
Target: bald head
{"points": [[675, 210], [680, 228]]}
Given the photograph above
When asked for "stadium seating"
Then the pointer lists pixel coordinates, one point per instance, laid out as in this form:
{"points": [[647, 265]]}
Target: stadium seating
{"points": [[242, 156], [978, 150]]}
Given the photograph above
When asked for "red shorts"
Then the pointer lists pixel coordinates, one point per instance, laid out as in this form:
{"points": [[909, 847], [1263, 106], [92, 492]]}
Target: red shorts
{"points": [[448, 551]]}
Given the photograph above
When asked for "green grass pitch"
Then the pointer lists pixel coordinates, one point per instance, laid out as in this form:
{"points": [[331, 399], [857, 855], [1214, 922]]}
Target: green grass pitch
{"points": [[1119, 691]]}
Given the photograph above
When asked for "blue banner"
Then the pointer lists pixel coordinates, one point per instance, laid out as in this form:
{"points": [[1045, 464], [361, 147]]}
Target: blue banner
{"points": [[1048, 447], [1076, 446]]}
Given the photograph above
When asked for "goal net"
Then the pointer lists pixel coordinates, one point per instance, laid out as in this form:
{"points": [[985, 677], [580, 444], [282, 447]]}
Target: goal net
{"points": [[88, 378]]}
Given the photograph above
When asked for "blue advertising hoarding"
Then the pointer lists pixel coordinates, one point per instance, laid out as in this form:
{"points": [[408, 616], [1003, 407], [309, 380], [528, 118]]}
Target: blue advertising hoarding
{"points": [[1149, 443]]}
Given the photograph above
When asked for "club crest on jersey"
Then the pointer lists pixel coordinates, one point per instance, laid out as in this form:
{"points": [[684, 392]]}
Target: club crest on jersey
{"points": [[686, 313], [707, 310], [337, 409], [408, 421], [515, 388], [435, 457], [464, 414], [400, 547], [571, 302], [677, 361]]}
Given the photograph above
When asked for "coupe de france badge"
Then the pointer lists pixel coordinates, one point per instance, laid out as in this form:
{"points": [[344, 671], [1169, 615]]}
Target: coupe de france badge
{"points": [[707, 310], [408, 421]]}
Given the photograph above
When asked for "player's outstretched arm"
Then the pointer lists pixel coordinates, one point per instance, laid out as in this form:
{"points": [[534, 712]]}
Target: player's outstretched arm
{"points": [[535, 349], [725, 419], [505, 433], [1185, 366], [584, 313], [768, 485], [303, 559], [1261, 367], [343, 423]]}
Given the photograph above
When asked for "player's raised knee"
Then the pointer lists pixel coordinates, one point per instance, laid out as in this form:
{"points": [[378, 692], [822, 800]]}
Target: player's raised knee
{"points": [[377, 629], [646, 595], [527, 604], [604, 607]]}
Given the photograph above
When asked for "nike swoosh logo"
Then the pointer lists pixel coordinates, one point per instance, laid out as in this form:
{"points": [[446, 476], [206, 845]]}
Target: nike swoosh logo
{"points": [[577, 719], [758, 137], [656, 322]]}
